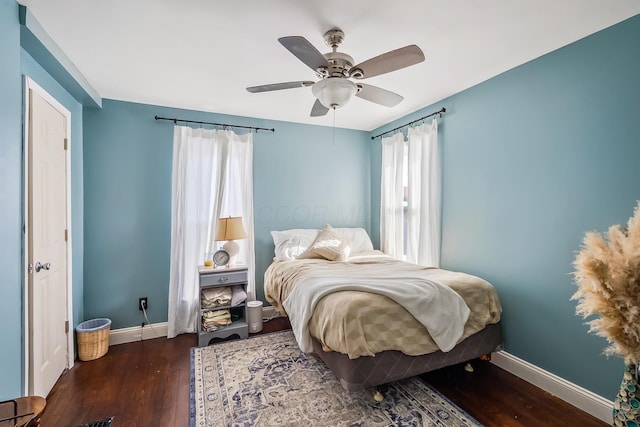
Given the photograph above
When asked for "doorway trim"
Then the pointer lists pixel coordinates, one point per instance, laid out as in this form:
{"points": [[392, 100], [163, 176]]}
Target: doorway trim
{"points": [[30, 84]]}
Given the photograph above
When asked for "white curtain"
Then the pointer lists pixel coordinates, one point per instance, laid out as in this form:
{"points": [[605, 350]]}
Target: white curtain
{"points": [[410, 196], [212, 177], [392, 195], [423, 191]]}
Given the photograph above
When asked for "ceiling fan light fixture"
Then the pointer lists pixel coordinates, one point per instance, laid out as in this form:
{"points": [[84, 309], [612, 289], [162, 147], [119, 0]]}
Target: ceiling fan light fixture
{"points": [[334, 92]]}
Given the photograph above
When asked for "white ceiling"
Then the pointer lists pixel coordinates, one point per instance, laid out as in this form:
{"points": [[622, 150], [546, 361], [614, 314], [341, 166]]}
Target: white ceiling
{"points": [[201, 54]]}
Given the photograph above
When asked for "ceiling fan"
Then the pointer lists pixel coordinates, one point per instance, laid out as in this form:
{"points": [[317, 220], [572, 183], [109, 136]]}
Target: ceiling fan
{"points": [[336, 69]]}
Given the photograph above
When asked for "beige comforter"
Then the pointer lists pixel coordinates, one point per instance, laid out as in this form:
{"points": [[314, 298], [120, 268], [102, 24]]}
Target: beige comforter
{"points": [[361, 323]]}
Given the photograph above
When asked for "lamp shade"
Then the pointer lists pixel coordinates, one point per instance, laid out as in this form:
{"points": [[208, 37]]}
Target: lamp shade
{"points": [[230, 229], [334, 92]]}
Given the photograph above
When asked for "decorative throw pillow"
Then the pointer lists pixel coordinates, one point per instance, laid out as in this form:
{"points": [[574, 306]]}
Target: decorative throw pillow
{"points": [[329, 245]]}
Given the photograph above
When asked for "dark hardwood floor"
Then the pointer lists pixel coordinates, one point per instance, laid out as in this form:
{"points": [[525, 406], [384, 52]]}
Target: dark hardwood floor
{"points": [[146, 384], [495, 397]]}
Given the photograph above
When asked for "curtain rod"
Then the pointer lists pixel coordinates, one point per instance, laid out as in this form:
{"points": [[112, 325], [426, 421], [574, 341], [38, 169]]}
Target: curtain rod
{"points": [[175, 121], [443, 110]]}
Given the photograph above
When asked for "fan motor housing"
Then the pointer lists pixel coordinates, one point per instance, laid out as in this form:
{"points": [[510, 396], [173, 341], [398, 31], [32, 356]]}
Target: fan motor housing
{"points": [[340, 64]]}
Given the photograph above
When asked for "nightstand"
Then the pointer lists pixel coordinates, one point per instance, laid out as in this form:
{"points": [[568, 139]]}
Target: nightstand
{"points": [[211, 277]]}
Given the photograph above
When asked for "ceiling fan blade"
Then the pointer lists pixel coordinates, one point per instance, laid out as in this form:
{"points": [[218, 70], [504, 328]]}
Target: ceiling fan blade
{"points": [[279, 86], [387, 62], [304, 51], [318, 109], [378, 95]]}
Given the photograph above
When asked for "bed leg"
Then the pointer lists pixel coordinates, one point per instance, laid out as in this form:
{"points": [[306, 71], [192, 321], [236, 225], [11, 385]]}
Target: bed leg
{"points": [[485, 358], [377, 396]]}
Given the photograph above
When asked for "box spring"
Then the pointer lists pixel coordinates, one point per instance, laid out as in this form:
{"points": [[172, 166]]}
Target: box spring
{"points": [[388, 366]]}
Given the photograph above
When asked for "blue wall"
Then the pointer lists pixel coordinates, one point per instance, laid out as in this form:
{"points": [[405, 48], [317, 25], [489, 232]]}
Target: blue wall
{"points": [[532, 159], [302, 178], [11, 196]]}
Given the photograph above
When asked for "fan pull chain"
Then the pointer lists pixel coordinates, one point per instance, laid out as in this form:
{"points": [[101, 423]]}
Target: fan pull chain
{"points": [[334, 126]]}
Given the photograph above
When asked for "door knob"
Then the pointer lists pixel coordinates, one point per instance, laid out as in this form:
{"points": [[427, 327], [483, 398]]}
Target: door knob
{"points": [[40, 266]]}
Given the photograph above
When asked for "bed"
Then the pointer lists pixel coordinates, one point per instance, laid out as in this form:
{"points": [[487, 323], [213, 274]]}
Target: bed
{"points": [[374, 319]]}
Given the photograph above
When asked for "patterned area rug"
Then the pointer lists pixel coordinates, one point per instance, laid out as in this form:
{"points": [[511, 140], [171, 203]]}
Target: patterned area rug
{"points": [[267, 381]]}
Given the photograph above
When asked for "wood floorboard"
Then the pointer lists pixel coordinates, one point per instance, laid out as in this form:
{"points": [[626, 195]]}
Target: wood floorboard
{"points": [[146, 384], [497, 398]]}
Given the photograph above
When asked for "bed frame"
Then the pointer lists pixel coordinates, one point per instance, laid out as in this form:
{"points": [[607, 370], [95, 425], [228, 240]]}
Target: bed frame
{"points": [[388, 366]]}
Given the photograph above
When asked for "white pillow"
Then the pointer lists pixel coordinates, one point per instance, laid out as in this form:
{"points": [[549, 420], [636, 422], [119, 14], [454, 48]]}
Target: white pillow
{"points": [[329, 245], [359, 240], [289, 244]]}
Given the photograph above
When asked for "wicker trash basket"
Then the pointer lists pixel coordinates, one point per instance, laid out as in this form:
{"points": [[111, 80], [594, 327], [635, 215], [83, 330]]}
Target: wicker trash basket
{"points": [[93, 338]]}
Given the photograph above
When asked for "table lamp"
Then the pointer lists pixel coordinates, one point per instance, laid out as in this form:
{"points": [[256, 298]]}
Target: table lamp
{"points": [[230, 229]]}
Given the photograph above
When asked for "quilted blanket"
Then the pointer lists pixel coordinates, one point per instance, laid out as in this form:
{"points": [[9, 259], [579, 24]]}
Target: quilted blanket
{"points": [[359, 323]]}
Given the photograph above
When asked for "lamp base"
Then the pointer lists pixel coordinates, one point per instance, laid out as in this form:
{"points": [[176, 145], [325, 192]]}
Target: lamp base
{"points": [[233, 248]]}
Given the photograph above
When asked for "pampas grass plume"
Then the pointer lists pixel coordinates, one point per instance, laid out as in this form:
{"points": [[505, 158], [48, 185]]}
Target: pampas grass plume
{"points": [[607, 273]]}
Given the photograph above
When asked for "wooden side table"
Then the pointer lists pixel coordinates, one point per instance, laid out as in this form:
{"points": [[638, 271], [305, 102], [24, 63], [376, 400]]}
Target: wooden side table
{"points": [[211, 277], [22, 412]]}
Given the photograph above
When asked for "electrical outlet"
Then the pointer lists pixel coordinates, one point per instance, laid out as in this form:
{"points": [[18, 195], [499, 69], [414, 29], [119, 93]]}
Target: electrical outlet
{"points": [[142, 302]]}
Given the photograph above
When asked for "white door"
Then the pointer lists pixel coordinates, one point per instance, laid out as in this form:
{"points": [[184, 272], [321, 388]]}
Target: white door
{"points": [[47, 244]]}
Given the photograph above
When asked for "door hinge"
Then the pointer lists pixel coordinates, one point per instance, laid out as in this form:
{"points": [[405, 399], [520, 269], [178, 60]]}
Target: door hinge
{"points": [[66, 235], [65, 143], [66, 326]]}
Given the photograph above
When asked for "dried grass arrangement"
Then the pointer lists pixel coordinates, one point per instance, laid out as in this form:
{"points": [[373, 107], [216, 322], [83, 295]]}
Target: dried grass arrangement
{"points": [[607, 272]]}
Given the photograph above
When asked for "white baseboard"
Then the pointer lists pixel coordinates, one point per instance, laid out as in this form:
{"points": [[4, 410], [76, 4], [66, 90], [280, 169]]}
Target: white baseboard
{"points": [[577, 396], [159, 330], [125, 335]]}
